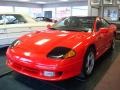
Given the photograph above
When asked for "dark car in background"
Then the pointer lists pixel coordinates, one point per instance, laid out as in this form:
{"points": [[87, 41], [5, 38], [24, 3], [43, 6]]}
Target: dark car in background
{"points": [[43, 19]]}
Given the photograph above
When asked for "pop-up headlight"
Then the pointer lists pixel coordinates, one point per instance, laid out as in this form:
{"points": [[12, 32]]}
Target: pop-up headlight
{"points": [[61, 52]]}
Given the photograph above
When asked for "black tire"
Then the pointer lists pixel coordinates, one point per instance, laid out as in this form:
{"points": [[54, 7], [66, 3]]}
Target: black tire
{"points": [[89, 62], [113, 44]]}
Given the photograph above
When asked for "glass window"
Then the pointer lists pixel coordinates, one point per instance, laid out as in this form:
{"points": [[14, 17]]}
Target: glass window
{"points": [[111, 13], [80, 11], [35, 12], [22, 10], [50, 9], [6, 9], [75, 24], [2, 21], [14, 19], [104, 23], [63, 12]]}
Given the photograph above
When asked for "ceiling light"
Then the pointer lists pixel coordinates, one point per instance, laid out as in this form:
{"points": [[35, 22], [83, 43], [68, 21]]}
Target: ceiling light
{"points": [[64, 0], [24, 0], [41, 2], [19, 0]]}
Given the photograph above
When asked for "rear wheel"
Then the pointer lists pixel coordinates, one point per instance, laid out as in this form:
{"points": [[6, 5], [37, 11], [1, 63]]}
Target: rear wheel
{"points": [[113, 44], [89, 62]]}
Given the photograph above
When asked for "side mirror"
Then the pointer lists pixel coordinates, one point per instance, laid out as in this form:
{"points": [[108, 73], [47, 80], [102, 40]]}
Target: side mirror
{"points": [[49, 26], [103, 30], [113, 26]]}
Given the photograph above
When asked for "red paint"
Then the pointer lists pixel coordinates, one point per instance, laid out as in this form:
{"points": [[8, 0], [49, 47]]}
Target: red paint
{"points": [[31, 59]]}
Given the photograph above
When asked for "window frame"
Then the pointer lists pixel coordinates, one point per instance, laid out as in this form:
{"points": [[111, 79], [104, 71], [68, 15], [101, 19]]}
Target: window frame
{"points": [[105, 22]]}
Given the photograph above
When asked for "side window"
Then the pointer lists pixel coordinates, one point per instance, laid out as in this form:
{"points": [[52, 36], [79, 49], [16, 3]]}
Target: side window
{"points": [[104, 23], [101, 24], [2, 21], [14, 19]]}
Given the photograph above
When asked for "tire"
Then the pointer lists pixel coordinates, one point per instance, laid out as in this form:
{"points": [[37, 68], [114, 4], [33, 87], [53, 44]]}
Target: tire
{"points": [[113, 44], [89, 62]]}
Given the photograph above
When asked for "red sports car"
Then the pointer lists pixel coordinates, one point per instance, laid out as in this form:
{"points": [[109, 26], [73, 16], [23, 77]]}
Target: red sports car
{"points": [[69, 48]]}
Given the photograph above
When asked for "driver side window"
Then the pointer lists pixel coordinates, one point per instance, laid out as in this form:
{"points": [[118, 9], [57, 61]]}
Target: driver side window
{"points": [[101, 24], [104, 23]]}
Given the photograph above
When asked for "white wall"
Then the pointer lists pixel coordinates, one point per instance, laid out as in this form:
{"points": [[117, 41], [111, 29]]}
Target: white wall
{"points": [[94, 11], [60, 10], [80, 11], [20, 4]]}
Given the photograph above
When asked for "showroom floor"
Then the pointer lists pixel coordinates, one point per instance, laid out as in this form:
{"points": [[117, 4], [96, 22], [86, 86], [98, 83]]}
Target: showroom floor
{"points": [[13, 81]]}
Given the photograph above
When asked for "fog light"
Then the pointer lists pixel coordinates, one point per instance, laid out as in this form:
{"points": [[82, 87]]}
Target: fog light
{"points": [[49, 73]]}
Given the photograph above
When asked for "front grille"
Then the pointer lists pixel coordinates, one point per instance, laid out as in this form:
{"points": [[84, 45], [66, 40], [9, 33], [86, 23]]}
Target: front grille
{"points": [[25, 69]]}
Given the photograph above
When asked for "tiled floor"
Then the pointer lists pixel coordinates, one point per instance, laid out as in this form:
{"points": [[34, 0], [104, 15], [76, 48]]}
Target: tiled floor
{"points": [[111, 80], [3, 69]]}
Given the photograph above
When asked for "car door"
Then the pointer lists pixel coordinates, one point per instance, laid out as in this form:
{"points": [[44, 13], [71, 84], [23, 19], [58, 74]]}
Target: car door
{"points": [[16, 26], [3, 33], [108, 34], [100, 38]]}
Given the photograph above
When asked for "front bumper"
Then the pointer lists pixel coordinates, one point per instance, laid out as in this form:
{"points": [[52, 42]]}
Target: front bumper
{"points": [[32, 72], [61, 72]]}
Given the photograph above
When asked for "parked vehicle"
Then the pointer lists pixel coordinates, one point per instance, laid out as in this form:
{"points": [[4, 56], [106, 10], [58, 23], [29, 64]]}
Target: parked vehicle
{"points": [[14, 25], [43, 19], [39, 19], [67, 49]]}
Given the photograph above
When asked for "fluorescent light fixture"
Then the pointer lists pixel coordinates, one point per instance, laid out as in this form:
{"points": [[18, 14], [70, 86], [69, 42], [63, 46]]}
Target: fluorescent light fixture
{"points": [[41, 2], [24, 0], [64, 0], [19, 0]]}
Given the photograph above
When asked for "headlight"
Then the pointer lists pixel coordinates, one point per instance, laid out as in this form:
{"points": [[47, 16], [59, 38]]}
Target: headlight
{"points": [[71, 53], [15, 43], [61, 52]]}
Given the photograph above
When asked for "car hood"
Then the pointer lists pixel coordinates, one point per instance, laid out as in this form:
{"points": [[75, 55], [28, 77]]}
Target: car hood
{"points": [[35, 46], [43, 42]]}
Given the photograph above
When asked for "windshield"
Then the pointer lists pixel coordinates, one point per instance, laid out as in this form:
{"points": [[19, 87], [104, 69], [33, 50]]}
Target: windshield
{"points": [[75, 24]]}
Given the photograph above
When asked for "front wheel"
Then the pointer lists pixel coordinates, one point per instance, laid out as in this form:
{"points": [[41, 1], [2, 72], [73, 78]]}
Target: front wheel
{"points": [[113, 44], [89, 62]]}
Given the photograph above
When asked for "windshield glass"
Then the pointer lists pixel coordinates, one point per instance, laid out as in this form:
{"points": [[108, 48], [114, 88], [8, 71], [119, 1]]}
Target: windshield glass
{"points": [[75, 24]]}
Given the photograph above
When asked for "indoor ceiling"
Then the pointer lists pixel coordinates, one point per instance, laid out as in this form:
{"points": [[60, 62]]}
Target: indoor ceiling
{"points": [[43, 1]]}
